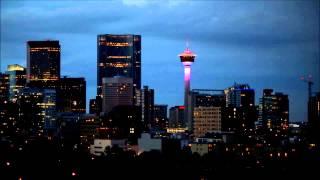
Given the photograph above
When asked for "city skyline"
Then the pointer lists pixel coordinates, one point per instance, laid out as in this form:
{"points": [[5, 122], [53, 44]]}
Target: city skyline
{"points": [[225, 54], [202, 88]]}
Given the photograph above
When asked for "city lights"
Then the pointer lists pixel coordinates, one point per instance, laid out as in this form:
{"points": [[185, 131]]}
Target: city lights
{"points": [[112, 105]]}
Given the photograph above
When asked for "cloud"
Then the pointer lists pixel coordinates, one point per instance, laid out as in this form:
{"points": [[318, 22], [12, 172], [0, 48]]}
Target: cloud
{"points": [[71, 19], [139, 3], [234, 23], [144, 3]]}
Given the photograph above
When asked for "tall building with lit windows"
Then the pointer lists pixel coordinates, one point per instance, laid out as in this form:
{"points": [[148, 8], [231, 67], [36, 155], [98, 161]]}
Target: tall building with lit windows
{"points": [[206, 120], [240, 112], [207, 107], [71, 95], [160, 116], [43, 63], [274, 111], [314, 116], [118, 55], [93, 107], [239, 95], [116, 91], [176, 117], [145, 100], [4, 94], [17, 79], [37, 111], [4, 87]]}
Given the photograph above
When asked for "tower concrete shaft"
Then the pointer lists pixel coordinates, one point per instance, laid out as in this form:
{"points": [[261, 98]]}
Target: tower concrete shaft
{"points": [[187, 58], [187, 74]]}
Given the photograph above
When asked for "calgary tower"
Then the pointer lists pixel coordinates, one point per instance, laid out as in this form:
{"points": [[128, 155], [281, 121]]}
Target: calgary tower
{"points": [[187, 58]]}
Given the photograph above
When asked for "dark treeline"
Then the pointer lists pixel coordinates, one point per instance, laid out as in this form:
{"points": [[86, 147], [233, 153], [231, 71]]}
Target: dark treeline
{"points": [[49, 159]]}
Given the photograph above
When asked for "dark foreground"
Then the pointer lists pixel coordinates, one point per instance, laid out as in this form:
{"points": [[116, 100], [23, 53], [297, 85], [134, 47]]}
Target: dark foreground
{"points": [[43, 159]]}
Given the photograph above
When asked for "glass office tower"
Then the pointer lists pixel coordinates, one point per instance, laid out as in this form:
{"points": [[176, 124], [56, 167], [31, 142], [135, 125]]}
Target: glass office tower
{"points": [[118, 55], [17, 79], [43, 61]]}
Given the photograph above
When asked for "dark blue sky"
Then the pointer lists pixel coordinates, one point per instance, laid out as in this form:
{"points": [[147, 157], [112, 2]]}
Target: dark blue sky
{"points": [[268, 44]]}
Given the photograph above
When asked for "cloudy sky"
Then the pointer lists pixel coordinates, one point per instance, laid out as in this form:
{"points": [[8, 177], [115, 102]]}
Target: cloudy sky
{"points": [[267, 44]]}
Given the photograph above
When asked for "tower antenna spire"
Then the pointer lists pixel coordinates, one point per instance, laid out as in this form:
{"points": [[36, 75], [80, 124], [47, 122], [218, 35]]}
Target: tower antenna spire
{"points": [[187, 44]]}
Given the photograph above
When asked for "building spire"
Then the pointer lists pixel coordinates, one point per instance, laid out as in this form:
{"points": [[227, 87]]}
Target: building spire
{"points": [[187, 44]]}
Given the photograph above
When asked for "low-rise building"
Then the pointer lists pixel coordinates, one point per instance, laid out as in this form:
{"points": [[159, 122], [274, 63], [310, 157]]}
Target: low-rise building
{"points": [[201, 148], [147, 143], [99, 145]]}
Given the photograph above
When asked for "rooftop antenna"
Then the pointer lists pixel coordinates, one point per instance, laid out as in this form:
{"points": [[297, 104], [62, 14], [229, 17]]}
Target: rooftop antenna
{"points": [[187, 44]]}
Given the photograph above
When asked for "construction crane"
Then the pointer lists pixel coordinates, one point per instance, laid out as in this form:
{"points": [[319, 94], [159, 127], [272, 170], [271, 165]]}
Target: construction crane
{"points": [[308, 80]]}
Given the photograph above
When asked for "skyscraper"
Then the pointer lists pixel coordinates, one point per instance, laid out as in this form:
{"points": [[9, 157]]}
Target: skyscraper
{"points": [[4, 94], [71, 95], [176, 117], [37, 111], [274, 111], [314, 108], [4, 87], [314, 116], [206, 111], [116, 91], [93, 107], [160, 116], [187, 58], [239, 95], [118, 55], [240, 113], [88, 126], [17, 79], [43, 62], [206, 120], [10, 84], [145, 100], [124, 121], [48, 106]]}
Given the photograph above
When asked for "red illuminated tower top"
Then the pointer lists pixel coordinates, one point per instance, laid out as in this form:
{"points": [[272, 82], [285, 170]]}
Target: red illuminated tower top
{"points": [[187, 56]]}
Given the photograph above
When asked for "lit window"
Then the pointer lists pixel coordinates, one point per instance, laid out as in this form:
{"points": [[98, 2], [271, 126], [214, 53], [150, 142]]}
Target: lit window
{"points": [[131, 130]]}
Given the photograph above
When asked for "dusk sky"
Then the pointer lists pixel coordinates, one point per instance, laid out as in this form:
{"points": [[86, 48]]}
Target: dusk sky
{"points": [[267, 44]]}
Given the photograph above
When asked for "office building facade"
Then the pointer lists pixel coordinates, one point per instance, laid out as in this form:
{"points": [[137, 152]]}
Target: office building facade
{"points": [[240, 111], [116, 91], [118, 55], [17, 79], [274, 112], [4, 95], [93, 107], [144, 98], [71, 95], [314, 116], [176, 117], [206, 120], [37, 111], [206, 111], [161, 116], [43, 62], [204, 98], [4, 87]]}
